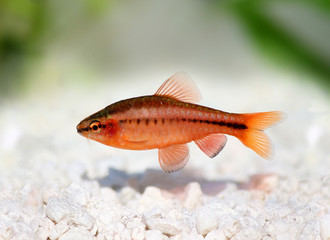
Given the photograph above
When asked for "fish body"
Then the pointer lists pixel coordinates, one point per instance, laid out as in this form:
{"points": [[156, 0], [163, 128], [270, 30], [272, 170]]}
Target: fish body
{"points": [[150, 122], [170, 119]]}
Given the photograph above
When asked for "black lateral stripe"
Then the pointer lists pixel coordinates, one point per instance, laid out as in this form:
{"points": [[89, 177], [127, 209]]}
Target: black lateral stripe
{"points": [[219, 123], [194, 120]]}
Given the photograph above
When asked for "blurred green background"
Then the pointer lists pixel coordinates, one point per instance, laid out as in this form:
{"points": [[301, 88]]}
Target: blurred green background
{"points": [[50, 44]]}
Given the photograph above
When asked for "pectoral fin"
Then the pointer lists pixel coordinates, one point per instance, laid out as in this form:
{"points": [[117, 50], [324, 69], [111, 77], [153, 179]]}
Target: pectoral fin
{"points": [[134, 142], [174, 157], [212, 144]]}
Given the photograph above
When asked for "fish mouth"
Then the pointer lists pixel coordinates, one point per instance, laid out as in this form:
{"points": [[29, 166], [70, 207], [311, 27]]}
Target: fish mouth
{"points": [[81, 129]]}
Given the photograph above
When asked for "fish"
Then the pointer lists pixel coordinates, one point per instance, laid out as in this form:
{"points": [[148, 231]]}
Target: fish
{"points": [[171, 118]]}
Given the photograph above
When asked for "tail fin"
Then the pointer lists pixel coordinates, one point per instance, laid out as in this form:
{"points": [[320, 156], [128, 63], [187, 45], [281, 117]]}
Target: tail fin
{"points": [[253, 137]]}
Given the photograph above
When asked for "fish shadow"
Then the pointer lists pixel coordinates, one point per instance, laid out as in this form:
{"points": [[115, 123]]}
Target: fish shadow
{"points": [[173, 182]]}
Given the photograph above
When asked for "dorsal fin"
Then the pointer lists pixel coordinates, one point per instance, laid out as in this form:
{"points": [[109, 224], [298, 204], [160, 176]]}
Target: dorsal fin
{"points": [[181, 87]]}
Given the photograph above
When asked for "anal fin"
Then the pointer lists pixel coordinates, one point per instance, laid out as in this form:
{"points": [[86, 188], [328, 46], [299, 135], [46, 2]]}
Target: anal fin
{"points": [[212, 144], [174, 157]]}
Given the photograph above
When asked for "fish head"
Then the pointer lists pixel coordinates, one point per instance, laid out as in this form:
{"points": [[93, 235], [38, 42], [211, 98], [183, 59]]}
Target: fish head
{"points": [[99, 127]]}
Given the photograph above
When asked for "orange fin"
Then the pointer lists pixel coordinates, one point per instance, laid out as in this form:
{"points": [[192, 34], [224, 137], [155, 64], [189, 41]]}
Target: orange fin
{"points": [[254, 137], [212, 144], [181, 87], [127, 139], [263, 120], [259, 142], [174, 157]]}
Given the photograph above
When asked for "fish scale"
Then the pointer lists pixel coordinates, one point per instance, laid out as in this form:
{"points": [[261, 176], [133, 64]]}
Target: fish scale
{"points": [[182, 121]]}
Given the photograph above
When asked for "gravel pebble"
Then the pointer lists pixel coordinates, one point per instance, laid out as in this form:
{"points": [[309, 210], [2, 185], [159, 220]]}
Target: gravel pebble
{"points": [[59, 209], [155, 235], [193, 196], [324, 227], [215, 235], [206, 220], [167, 225], [77, 233]]}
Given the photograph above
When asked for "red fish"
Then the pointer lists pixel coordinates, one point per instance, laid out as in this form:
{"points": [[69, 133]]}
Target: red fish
{"points": [[170, 119]]}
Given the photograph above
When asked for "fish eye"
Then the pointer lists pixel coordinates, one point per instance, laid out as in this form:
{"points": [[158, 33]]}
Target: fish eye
{"points": [[95, 126]]}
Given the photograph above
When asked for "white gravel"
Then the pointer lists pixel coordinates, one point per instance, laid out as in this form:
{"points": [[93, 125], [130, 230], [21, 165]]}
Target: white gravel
{"points": [[54, 185]]}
